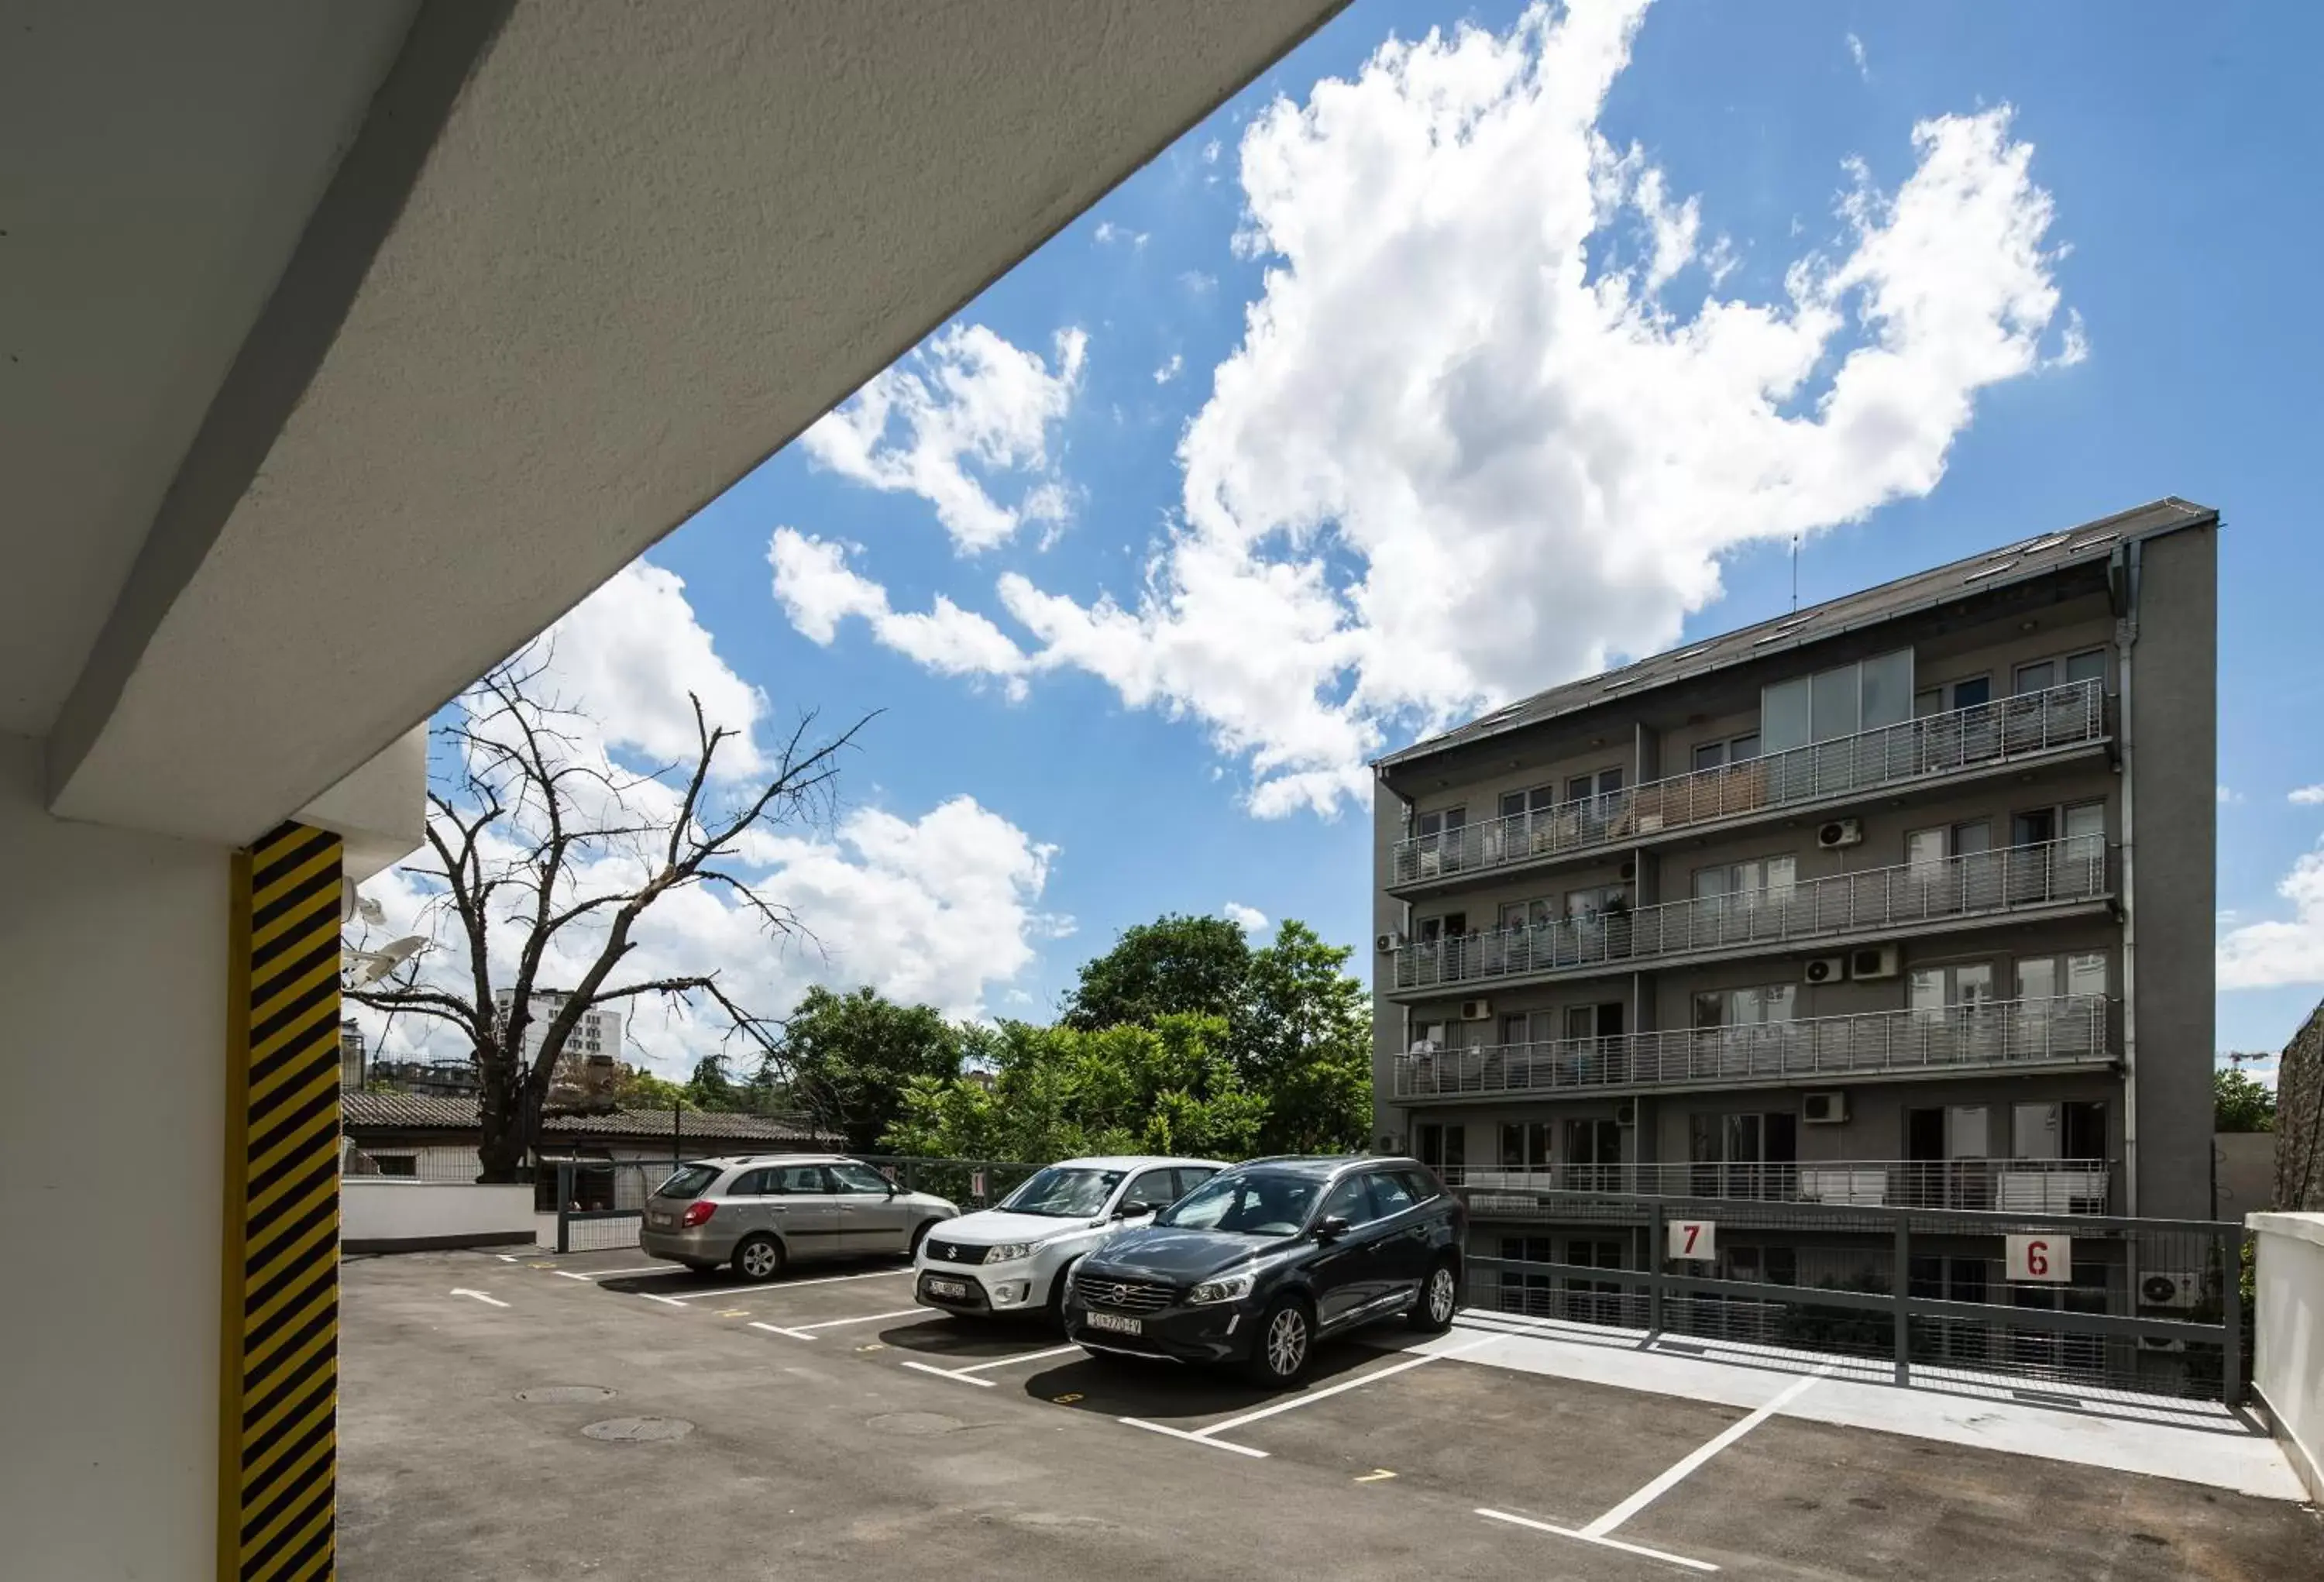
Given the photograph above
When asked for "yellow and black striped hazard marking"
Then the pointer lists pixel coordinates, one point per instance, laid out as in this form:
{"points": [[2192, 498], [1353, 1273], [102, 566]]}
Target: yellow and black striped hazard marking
{"points": [[279, 1390]]}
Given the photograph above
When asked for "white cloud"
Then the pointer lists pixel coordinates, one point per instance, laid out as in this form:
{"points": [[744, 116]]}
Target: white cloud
{"points": [[2229, 795], [1855, 53], [1210, 151], [627, 656], [1249, 918], [948, 421], [818, 589], [2266, 954], [1107, 232], [1448, 465], [1197, 282], [1169, 370], [2308, 796]]}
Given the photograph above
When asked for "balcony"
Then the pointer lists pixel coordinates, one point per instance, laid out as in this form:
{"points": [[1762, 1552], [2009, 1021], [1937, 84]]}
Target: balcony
{"points": [[2012, 1036], [2008, 1185], [1937, 746], [1879, 903]]}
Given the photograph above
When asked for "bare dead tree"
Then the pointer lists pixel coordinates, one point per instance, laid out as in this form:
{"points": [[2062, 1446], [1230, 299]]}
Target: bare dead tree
{"points": [[528, 832]]}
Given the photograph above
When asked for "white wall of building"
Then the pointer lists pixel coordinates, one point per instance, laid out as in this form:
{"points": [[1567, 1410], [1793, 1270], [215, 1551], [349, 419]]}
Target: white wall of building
{"points": [[380, 1208], [2288, 1355], [113, 965]]}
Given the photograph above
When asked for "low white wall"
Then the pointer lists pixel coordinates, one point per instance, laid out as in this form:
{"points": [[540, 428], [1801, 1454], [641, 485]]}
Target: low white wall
{"points": [[2288, 1353], [112, 1149], [379, 1209]]}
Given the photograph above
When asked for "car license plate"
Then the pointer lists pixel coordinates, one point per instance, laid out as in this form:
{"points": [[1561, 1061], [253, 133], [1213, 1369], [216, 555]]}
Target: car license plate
{"points": [[659, 1221], [951, 1288], [1115, 1322]]}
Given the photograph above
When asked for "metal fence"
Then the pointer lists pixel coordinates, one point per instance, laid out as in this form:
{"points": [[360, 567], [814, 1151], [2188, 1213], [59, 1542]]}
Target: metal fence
{"points": [[2006, 1035], [1966, 740], [2081, 1306]]}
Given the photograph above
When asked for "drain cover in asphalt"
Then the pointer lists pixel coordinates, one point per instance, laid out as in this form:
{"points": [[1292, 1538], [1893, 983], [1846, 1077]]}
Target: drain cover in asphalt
{"points": [[640, 1428], [564, 1395]]}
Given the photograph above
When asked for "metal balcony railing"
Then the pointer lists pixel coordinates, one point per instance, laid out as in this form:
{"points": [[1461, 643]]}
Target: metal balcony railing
{"points": [[2008, 1185], [1929, 748], [1987, 1037], [1810, 910]]}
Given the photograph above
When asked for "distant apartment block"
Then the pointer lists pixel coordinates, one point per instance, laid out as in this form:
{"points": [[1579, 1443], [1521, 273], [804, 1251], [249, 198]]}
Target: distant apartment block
{"points": [[1902, 899], [585, 1068], [353, 1055]]}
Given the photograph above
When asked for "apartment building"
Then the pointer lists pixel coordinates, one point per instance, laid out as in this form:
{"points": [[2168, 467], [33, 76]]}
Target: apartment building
{"points": [[586, 1067], [1902, 899]]}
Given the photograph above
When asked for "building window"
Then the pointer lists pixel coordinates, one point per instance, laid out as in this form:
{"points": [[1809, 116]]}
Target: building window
{"points": [[1749, 1007], [1968, 692], [2048, 977], [1593, 1156], [1927, 850], [1525, 1145], [1443, 1149], [2040, 675], [1721, 755], [1837, 702], [1932, 991], [1518, 804], [397, 1164], [1603, 785], [2040, 826], [1450, 926], [1443, 822], [1738, 887]]}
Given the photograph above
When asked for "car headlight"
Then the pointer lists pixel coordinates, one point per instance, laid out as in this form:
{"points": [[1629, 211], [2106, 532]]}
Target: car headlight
{"points": [[1226, 1288], [1010, 1251]]}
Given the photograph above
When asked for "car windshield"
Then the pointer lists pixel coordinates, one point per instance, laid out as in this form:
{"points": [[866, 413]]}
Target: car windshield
{"points": [[1065, 1193], [688, 1181], [1264, 1203]]}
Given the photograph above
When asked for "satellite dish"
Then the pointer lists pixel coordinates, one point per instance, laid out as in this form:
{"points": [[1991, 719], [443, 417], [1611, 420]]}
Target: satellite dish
{"points": [[371, 966], [370, 911]]}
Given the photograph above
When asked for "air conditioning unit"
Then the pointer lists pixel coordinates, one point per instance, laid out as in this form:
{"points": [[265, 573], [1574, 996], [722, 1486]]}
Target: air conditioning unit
{"points": [[1828, 1108], [1835, 833], [1873, 961], [2171, 1287], [1826, 969], [1626, 1112], [1476, 1010], [2160, 1342], [1389, 941]]}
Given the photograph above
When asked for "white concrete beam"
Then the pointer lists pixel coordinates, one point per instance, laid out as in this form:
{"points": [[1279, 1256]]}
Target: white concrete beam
{"points": [[648, 245]]}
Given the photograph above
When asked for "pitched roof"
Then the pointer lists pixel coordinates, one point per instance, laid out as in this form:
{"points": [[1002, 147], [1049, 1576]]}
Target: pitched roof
{"points": [[2013, 563], [422, 1111]]}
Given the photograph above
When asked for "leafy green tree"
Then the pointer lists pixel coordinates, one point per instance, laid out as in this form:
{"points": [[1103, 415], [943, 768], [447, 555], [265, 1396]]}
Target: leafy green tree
{"points": [[2239, 1103], [851, 1057], [1056, 1092], [637, 1088], [1305, 1044], [1196, 965], [710, 1088]]}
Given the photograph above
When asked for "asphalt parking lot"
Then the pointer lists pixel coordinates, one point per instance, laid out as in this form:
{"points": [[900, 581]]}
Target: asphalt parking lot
{"points": [[594, 1416]]}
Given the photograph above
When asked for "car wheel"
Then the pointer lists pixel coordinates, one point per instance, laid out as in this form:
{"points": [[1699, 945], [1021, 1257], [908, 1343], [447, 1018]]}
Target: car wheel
{"points": [[759, 1259], [1282, 1344], [1438, 1299], [919, 1234]]}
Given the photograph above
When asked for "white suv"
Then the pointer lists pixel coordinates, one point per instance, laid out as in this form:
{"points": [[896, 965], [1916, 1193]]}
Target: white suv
{"points": [[1012, 1258]]}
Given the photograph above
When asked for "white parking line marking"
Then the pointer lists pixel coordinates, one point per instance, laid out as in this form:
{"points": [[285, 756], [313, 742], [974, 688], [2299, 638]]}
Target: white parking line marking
{"points": [[1680, 1472], [866, 1318], [667, 1301], [1635, 1549], [776, 1285], [568, 1274], [503, 1257], [1139, 1422], [1022, 1357], [778, 1330], [480, 1296], [1312, 1396], [948, 1373]]}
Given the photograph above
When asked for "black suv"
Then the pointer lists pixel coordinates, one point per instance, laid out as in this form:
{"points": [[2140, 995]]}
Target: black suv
{"points": [[1259, 1261]]}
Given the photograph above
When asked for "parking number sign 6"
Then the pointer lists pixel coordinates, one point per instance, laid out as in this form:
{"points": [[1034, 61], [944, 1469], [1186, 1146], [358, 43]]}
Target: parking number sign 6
{"points": [[2049, 1258], [1694, 1239]]}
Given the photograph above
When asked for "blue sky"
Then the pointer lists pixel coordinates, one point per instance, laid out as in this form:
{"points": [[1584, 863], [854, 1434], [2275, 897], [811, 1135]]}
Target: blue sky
{"points": [[2095, 302]]}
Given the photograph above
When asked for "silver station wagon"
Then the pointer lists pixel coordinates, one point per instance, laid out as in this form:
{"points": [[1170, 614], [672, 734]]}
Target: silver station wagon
{"points": [[761, 1213]]}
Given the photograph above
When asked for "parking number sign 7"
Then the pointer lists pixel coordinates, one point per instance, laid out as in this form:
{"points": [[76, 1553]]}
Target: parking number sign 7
{"points": [[2049, 1258], [1694, 1239]]}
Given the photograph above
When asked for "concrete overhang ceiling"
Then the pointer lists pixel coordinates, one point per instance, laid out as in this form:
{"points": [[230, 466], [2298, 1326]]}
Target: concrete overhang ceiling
{"points": [[444, 315]]}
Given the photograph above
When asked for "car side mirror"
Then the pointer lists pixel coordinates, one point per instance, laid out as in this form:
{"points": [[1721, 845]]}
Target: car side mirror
{"points": [[1132, 1209], [893, 1188], [1331, 1228]]}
